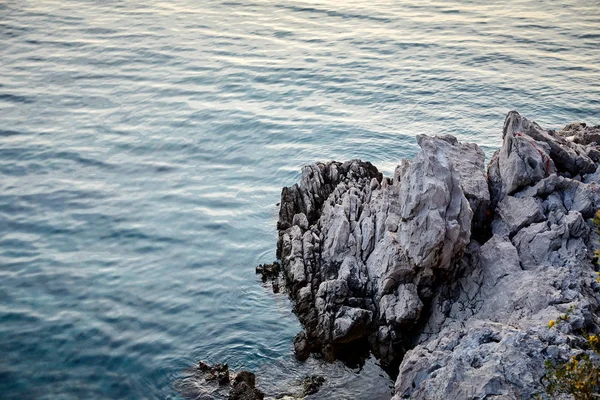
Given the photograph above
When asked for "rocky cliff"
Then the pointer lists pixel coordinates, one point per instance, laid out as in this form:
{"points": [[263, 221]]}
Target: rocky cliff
{"points": [[450, 272]]}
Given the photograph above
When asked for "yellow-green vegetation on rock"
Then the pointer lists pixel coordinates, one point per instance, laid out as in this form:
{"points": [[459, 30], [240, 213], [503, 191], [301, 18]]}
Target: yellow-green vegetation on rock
{"points": [[596, 220], [580, 375]]}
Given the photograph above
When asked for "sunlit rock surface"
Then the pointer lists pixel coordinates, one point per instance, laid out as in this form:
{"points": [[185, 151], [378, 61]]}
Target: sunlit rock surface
{"points": [[450, 269]]}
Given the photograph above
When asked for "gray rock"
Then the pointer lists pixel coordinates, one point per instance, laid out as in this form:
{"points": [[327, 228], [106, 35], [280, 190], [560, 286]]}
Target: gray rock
{"points": [[568, 156], [513, 214], [468, 161], [532, 270], [268, 271], [520, 162], [581, 133], [218, 372], [245, 376], [202, 384], [435, 214], [350, 324], [529, 154], [243, 391], [402, 307], [371, 237], [481, 361], [300, 220], [415, 264]]}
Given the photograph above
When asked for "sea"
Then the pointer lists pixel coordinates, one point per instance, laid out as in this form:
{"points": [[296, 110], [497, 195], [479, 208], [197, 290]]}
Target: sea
{"points": [[144, 145]]}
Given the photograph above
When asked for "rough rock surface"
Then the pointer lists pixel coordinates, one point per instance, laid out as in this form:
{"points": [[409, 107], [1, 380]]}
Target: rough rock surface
{"points": [[367, 261], [454, 273]]}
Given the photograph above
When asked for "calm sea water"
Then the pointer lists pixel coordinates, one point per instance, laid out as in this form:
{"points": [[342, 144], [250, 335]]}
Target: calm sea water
{"points": [[143, 146]]}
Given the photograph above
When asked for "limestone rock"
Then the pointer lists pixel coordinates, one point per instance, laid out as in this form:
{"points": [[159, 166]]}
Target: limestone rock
{"points": [[529, 154], [486, 335], [454, 273], [350, 324], [268, 271], [243, 387], [375, 247], [243, 391], [212, 382], [513, 214], [581, 133], [218, 372]]}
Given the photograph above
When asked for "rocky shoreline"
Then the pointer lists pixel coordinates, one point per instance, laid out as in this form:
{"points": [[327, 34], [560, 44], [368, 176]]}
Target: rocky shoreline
{"points": [[448, 274]]}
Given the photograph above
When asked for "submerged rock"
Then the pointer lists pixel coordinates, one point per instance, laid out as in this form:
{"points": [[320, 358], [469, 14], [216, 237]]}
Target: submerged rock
{"points": [[453, 273], [217, 372], [312, 384]]}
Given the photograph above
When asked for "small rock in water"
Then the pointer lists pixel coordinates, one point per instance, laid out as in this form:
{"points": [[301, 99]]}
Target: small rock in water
{"points": [[218, 372], [243, 384], [204, 367], [312, 384], [244, 387], [245, 376], [268, 270]]}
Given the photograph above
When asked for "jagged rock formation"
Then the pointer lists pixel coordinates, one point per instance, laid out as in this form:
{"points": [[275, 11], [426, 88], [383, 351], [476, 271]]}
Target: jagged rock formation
{"points": [[450, 271], [367, 263]]}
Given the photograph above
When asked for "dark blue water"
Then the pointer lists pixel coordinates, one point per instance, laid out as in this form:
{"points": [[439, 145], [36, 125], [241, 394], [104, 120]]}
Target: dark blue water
{"points": [[143, 146]]}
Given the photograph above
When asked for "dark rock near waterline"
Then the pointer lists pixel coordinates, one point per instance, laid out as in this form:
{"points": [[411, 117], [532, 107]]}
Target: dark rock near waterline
{"points": [[270, 275], [312, 384], [269, 271], [301, 346], [244, 387], [213, 382], [217, 372], [453, 273], [243, 391], [203, 366], [245, 376]]}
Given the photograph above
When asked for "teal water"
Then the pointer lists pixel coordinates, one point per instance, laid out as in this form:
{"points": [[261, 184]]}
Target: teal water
{"points": [[143, 146]]}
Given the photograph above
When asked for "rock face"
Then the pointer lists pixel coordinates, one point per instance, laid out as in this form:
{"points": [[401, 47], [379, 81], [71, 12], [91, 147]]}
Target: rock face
{"points": [[362, 254], [453, 273]]}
